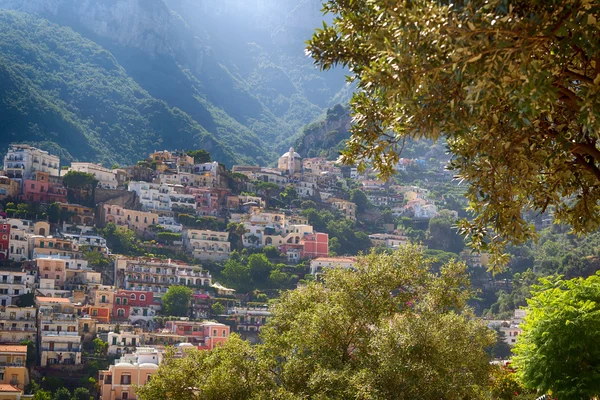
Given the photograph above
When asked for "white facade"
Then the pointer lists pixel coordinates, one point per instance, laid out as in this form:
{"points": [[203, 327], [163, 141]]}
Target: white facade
{"points": [[106, 178], [14, 284], [170, 224], [152, 196], [121, 342], [60, 342], [22, 160], [317, 265]]}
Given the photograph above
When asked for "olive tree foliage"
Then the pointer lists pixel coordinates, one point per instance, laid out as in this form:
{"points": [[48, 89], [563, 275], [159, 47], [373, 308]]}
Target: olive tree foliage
{"points": [[559, 349], [390, 329], [514, 87]]}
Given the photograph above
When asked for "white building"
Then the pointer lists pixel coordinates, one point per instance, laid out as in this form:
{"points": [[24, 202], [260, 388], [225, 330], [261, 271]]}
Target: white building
{"points": [[152, 196], [122, 342], [18, 324], [170, 224], [14, 284], [59, 339], [106, 178], [319, 264], [22, 160]]}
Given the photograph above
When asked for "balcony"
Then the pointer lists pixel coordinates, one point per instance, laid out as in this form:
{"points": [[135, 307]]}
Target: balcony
{"points": [[17, 329], [59, 333], [76, 349]]}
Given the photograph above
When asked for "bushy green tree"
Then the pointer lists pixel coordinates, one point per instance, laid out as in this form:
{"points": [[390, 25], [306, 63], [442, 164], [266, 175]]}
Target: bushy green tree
{"points": [[176, 301], [559, 348], [513, 87], [390, 329], [359, 198], [200, 156]]}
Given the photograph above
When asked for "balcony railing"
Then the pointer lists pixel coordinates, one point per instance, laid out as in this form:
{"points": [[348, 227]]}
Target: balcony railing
{"points": [[59, 333], [60, 350]]}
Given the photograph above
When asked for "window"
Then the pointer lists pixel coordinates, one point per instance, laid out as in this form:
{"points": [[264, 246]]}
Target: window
{"points": [[125, 301], [214, 333], [142, 297], [224, 333], [132, 296], [124, 396], [125, 380], [114, 340], [33, 185], [118, 300], [94, 313], [17, 291], [103, 299], [121, 312]]}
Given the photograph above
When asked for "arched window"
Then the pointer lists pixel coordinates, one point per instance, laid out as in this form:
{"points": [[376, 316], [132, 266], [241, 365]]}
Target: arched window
{"points": [[118, 300], [142, 297], [132, 296], [120, 312], [125, 301], [137, 218]]}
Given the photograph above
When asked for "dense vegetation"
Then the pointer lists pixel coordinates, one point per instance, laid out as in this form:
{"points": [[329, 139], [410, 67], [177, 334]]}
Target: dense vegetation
{"points": [[70, 96]]}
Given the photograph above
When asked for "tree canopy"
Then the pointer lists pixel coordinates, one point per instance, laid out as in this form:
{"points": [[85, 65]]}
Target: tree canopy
{"points": [[390, 329], [559, 348], [513, 86], [176, 301]]}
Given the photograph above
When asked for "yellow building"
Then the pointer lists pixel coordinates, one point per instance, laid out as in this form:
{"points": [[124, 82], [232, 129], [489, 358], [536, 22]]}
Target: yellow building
{"points": [[81, 215], [52, 246], [347, 208], [12, 366], [9, 189], [120, 380], [9, 392], [138, 221]]}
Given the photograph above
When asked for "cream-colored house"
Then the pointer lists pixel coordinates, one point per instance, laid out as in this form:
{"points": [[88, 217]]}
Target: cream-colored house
{"points": [[207, 245], [120, 380], [17, 324], [60, 342]]}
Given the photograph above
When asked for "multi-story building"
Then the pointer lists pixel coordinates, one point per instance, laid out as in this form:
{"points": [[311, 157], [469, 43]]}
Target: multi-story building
{"points": [[152, 196], [4, 241], [207, 245], [9, 189], [138, 221], [40, 189], [22, 160], [170, 224], [319, 264], [53, 268], [123, 341], [59, 340], [249, 319], [132, 370], [17, 324], [14, 284], [347, 208], [388, 240], [106, 178], [156, 275], [54, 246], [136, 307], [209, 175], [182, 201], [19, 244], [80, 215], [205, 335], [13, 371], [91, 242]]}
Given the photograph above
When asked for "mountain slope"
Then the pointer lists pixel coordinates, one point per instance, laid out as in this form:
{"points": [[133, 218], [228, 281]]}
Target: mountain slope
{"points": [[236, 67], [57, 87]]}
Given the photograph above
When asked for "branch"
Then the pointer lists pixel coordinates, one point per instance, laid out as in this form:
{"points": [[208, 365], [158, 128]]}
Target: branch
{"points": [[579, 77], [588, 165]]}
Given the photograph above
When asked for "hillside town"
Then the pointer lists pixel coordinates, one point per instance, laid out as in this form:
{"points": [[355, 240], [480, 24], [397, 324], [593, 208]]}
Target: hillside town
{"points": [[68, 298]]}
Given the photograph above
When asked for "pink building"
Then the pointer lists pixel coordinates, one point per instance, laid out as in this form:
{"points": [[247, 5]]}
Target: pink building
{"points": [[41, 190], [206, 335], [315, 245]]}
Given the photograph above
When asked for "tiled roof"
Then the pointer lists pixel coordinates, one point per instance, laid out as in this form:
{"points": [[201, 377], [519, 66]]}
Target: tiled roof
{"points": [[13, 348], [8, 388]]}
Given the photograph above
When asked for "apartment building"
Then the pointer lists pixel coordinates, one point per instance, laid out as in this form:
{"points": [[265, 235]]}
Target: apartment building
{"points": [[138, 221], [249, 319], [4, 241], [122, 342], [13, 370], [17, 324], [41, 188], [54, 246], [58, 337], [156, 275], [131, 370], [106, 178], [207, 245], [9, 189], [318, 265], [347, 208], [152, 196], [388, 240], [91, 242], [134, 306], [205, 334], [22, 160], [14, 284]]}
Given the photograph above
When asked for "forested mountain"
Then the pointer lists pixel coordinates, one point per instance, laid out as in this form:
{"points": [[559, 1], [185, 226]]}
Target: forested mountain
{"points": [[232, 74]]}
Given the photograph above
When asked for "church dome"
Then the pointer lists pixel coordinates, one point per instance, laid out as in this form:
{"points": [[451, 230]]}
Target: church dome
{"points": [[287, 153]]}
